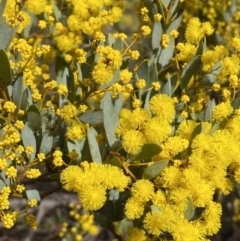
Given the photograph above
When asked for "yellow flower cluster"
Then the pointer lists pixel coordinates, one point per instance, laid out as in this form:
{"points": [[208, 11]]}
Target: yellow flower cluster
{"points": [[138, 128], [109, 61], [91, 181]]}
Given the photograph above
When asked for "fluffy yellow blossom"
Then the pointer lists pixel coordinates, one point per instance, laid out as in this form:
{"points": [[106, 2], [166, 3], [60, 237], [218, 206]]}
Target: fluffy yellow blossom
{"points": [[186, 128], [70, 176], [194, 33], [125, 76], [222, 111], [132, 141], [36, 7], [230, 65], [101, 74], [156, 130], [68, 111], [76, 132], [153, 223], [133, 209], [142, 190], [93, 197], [162, 106], [62, 89]]}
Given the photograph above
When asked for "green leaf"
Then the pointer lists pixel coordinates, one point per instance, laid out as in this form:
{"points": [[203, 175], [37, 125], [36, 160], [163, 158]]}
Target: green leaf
{"points": [[86, 155], [115, 161], [192, 68], [148, 150], [156, 35], [7, 33], [155, 208], [2, 6], [146, 102], [47, 143], [152, 10], [118, 45], [235, 104], [197, 130], [5, 69], [17, 93], [33, 194], [77, 146], [110, 118], [92, 117], [167, 53], [28, 139], [34, 118], [153, 170], [166, 2], [170, 85], [118, 103], [70, 85], [189, 211], [93, 146], [206, 113], [111, 39], [56, 12]]}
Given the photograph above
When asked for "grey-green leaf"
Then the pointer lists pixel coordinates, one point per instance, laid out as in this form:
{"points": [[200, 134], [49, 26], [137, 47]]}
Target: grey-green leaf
{"points": [[6, 33], [34, 118], [17, 92], [153, 170], [170, 85], [33, 194], [47, 143], [156, 35], [192, 68], [92, 117], [29, 139], [93, 146], [148, 150], [115, 161], [110, 118], [189, 211], [5, 69]]}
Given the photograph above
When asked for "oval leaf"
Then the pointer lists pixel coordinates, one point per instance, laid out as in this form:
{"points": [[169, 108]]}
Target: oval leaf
{"points": [[156, 35], [5, 69], [153, 171], [29, 139], [34, 118], [148, 151], [189, 211], [92, 117], [46, 144], [33, 194], [93, 146], [110, 118], [115, 162], [190, 70]]}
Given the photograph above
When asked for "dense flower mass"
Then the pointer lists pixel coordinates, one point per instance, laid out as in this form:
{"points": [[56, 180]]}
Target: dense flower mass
{"points": [[132, 106]]}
